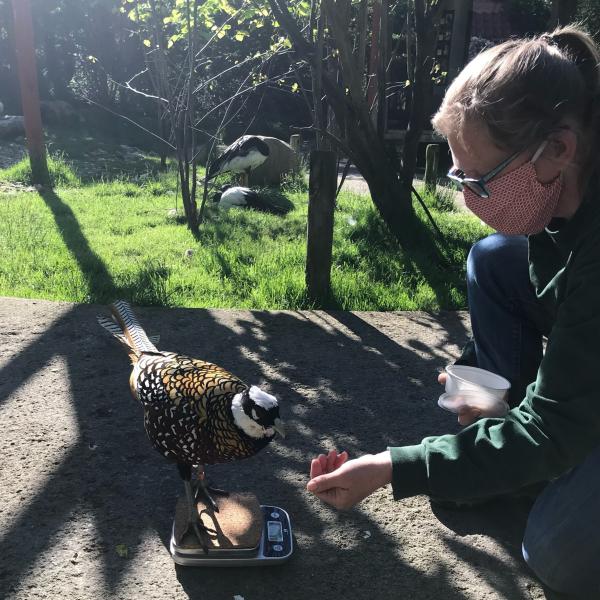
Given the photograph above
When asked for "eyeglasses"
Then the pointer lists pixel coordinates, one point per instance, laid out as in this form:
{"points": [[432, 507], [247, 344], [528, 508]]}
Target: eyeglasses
{"points": [[478, 185]]}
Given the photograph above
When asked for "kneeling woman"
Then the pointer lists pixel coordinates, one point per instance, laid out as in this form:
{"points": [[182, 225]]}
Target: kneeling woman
{"points": [[523, 125]]}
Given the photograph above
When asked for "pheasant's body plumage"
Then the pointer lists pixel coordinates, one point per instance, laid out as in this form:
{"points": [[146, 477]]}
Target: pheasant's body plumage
{"points": [[187, 409]]}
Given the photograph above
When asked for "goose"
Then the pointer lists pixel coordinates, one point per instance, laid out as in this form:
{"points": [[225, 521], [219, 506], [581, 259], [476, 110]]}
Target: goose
{"points": [[244, 197], [245, 154]]}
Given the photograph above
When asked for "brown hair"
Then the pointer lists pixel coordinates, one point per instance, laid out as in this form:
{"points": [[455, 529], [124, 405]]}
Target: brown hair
{"points": [[522, 89]]}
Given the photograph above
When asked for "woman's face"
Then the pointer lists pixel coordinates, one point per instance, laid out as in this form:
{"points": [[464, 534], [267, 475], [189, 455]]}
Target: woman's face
{"points": [[474, 153]]}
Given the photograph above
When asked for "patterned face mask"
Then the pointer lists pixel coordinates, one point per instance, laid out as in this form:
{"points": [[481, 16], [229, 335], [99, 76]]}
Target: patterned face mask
{"points": [[518, 204]]}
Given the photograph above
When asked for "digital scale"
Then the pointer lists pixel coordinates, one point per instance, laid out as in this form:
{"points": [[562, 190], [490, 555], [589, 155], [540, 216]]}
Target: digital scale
{"points": [[246, 534]]}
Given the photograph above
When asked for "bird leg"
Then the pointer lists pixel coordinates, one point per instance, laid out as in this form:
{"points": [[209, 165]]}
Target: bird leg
{"points": [[194, 522], [204, 490], [245, 178]]}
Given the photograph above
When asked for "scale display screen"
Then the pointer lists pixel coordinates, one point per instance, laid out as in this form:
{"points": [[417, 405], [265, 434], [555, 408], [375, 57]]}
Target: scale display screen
{"points": [[274, 531]]}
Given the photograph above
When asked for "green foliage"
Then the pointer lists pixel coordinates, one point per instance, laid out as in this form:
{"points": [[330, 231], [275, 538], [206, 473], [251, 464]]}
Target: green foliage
{"points": [[442, 200], [295, 181], [99, 241], [61, 173], [588, 14]]}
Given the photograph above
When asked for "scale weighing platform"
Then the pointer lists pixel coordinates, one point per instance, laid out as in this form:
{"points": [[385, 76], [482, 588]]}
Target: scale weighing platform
{"points": [[245, 534]]}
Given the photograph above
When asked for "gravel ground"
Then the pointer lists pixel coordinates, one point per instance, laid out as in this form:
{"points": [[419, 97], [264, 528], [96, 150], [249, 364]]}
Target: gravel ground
{"points": [[81, 484]]}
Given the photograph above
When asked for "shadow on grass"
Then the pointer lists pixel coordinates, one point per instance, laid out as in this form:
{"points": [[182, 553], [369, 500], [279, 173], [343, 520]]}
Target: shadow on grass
{"points": [[101, 287], [443, 272], [147, 287]]}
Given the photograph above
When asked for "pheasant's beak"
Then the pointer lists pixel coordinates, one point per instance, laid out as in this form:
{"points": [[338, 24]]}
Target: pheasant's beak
{"points": [[279, 427]]}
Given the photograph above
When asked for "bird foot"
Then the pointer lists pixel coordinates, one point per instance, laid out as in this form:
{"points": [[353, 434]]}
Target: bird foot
{"points": [[200, 531], [204, 493]]}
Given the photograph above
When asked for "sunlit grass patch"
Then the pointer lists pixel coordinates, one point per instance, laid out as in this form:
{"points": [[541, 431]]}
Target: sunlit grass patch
{"points": [[93, 242]]}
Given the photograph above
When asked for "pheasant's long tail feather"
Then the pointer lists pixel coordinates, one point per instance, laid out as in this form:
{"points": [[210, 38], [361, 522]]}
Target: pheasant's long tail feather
{"points": [[133, 332], [114, 329]]}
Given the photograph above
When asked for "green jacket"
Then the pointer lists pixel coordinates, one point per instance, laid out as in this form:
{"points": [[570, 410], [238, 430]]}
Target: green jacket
{"points": [[558, 422]]}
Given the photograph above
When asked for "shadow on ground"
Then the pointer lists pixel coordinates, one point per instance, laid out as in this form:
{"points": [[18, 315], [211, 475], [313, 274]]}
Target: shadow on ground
{"points": [[82, 482]]}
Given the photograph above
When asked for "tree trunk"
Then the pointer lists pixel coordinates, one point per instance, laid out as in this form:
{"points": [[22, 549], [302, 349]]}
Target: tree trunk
{"points": [[316, 76], [382, 71], [563, 12], [319, 232], [30, 100], [373, 55], [366, 149], [421, 92], [361, 53]]}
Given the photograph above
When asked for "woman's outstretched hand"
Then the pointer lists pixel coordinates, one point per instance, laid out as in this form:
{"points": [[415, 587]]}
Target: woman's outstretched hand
{"points": [[342, 482]]}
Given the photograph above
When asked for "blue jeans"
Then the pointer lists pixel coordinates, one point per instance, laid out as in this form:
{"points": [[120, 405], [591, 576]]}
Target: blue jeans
{"points": [[507, 320], [562, 537]]}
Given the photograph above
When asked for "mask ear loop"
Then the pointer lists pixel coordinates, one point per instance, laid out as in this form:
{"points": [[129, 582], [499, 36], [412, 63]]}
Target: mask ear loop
{"points": [[539, 151]]}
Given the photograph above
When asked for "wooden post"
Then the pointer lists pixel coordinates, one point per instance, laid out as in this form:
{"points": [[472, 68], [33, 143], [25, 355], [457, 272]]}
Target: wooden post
{"points": [[295, 142], [432, 154], [321, 202], [30, 97]]}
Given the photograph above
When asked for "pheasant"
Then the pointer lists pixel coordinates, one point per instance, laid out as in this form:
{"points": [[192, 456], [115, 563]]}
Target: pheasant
{"points": [[195, 412]]}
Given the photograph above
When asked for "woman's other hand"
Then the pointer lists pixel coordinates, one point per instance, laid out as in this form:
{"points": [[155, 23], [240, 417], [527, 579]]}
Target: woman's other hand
{"points": [[344, 483]]}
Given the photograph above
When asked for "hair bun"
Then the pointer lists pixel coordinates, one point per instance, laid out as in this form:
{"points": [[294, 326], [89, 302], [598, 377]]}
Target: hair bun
{"points": [[578, 47]]}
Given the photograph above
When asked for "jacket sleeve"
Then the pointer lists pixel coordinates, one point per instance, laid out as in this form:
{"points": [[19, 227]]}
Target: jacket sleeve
{"points": [[552, 430]]}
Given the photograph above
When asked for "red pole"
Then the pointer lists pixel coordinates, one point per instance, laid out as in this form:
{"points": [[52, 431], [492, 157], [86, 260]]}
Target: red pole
{"points": [[30, 97]]}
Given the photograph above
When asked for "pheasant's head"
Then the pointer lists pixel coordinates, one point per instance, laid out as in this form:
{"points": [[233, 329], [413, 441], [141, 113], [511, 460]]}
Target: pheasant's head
{"points": [[256, 413]]}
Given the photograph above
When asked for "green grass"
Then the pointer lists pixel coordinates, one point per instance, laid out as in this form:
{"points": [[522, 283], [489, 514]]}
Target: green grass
{"points": [[98, 241], [61, 174]]}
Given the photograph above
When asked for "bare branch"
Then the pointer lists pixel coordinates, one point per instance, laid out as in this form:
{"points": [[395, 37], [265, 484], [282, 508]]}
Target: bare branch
{"points": [[337, 141], [216, 33], [302, 90], [127, 119], [244, 91], [248, 59], [283, 15], [127, 85]]}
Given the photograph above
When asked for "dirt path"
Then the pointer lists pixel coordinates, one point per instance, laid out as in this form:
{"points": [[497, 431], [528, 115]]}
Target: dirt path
{"points": [[79, 478]]}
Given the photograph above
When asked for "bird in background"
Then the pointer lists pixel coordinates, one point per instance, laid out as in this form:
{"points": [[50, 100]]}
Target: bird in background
{"points": [[195, 412], [244, 197], [245, 154]]}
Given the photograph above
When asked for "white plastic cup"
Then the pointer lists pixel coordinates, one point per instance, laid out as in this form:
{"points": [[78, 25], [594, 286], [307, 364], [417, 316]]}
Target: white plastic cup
{"points": [[485, 404], [472, 388], [463, 378]]}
